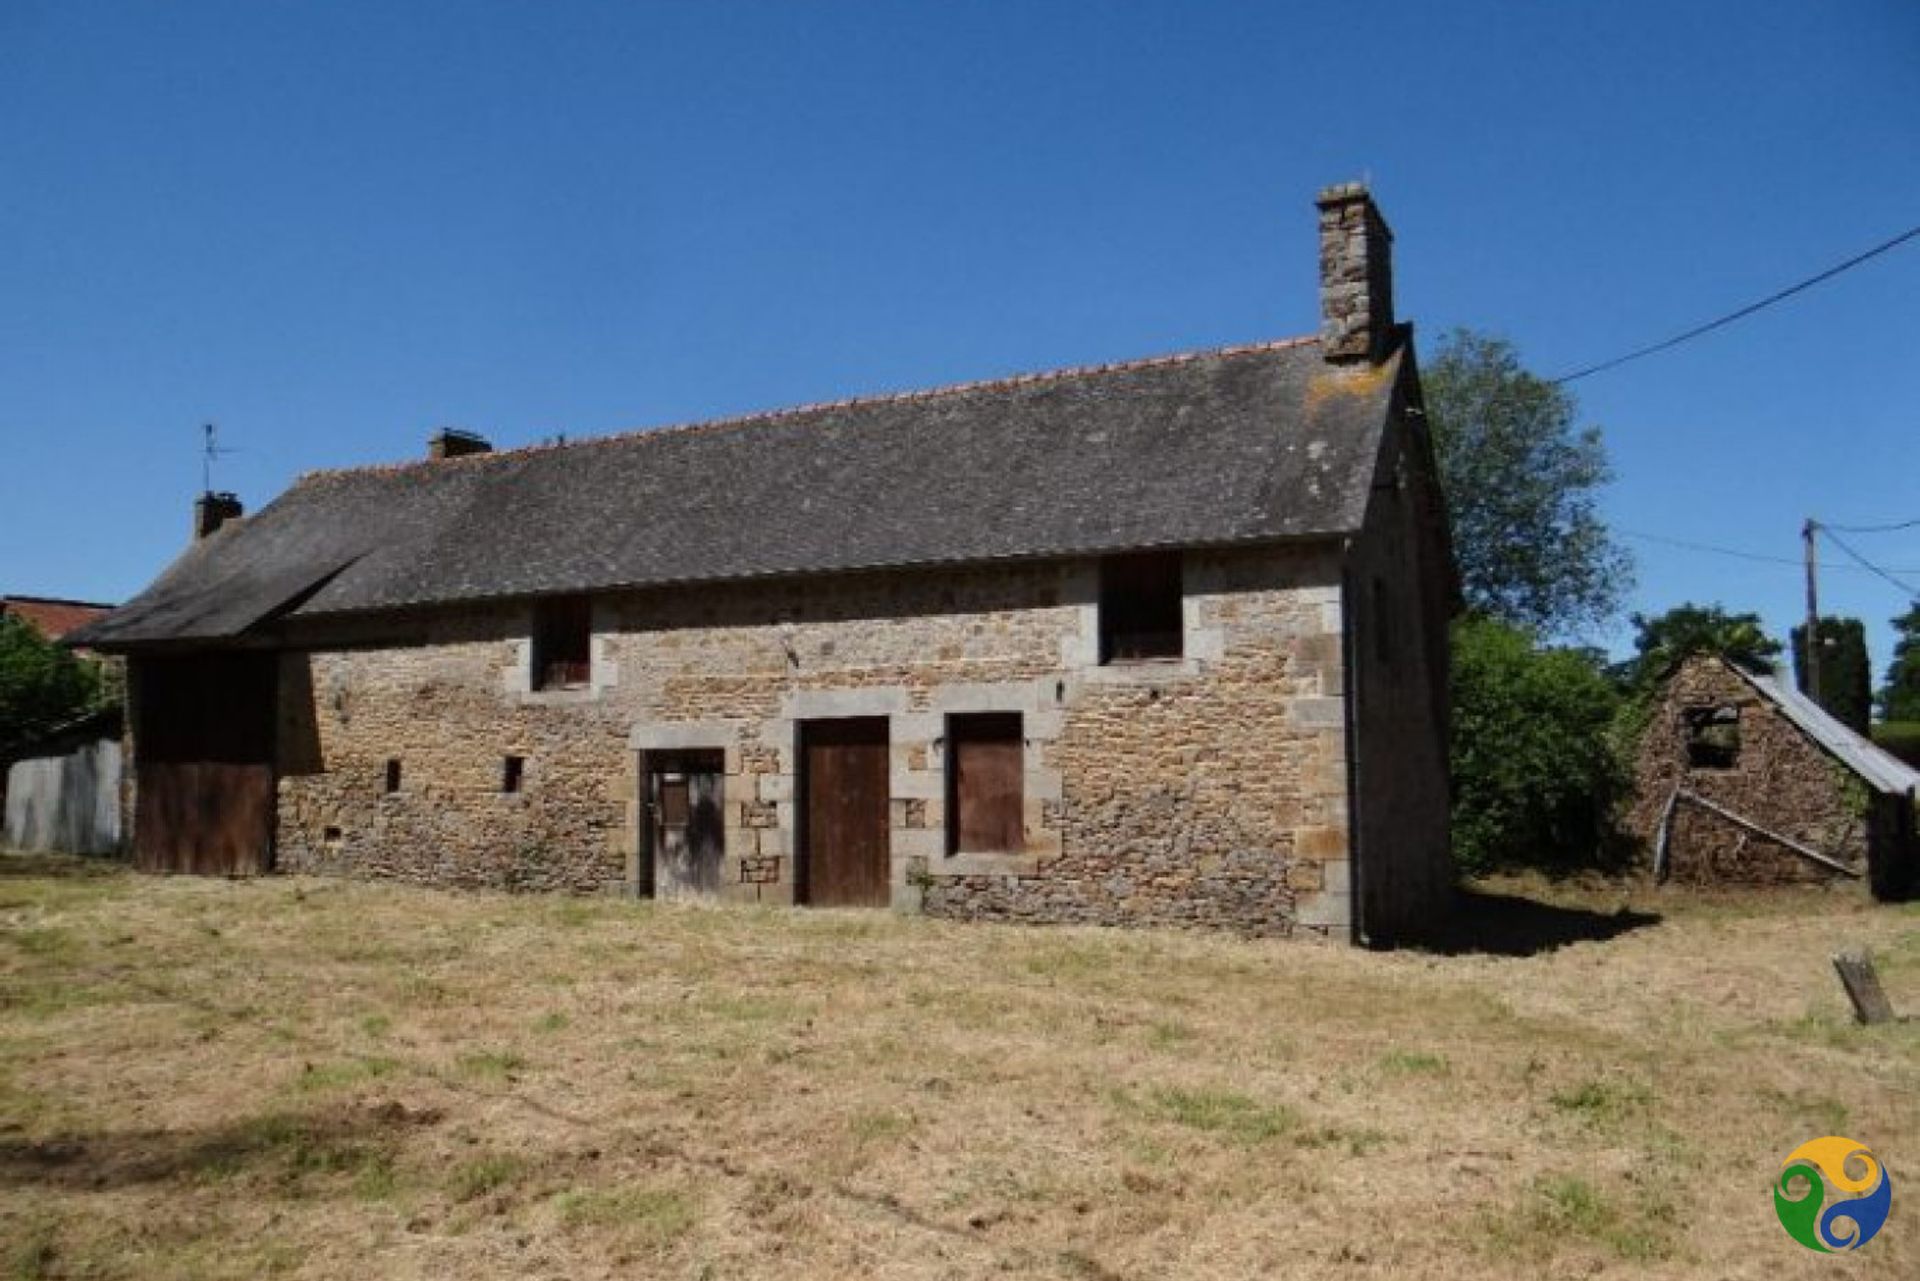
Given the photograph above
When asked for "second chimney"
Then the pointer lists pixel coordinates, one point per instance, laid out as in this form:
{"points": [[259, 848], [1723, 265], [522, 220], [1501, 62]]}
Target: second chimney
{"points": [[211, 511], [451, 442], [1356, 275]]}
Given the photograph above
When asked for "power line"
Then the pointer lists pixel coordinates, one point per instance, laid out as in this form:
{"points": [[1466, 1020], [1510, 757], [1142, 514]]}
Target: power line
{"points": [[1877, 529], [1833, 538], [1743, 312], [1739, 553]]}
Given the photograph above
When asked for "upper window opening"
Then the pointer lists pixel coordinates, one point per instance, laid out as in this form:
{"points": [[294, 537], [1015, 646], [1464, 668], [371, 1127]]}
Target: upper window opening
{"points": [[985, 798], [1140, 607], [1713, 737], [562, 642], [393, 775]]}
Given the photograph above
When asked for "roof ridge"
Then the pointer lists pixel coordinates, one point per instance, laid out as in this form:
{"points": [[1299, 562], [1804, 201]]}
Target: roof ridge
{"points": [[766, 416]]}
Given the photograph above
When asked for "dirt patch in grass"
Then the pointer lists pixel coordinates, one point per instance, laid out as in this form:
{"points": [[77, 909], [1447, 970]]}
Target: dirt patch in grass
{"points": [[287, 1078]]}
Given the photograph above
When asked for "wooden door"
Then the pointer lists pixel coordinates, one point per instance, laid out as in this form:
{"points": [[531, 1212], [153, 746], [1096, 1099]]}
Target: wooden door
{"points": [[844, 798], [204, 775], [684, 796]]}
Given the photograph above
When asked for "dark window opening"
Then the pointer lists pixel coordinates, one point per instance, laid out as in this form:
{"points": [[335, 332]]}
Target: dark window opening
{"points": [[985, 801], [1140, 607], [330, 833], [393, 776], [1713, 737], [512, 771], [562, 642]]}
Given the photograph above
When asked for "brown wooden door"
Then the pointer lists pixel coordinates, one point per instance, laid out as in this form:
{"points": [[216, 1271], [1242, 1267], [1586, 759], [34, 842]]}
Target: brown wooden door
{"points": [[689, 836], [203, 746], [844, 798]]}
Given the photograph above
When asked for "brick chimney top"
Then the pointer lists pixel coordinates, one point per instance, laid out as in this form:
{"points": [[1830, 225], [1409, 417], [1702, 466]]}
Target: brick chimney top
{"points": [[451, 442], [211, 511], [1356, 275]]}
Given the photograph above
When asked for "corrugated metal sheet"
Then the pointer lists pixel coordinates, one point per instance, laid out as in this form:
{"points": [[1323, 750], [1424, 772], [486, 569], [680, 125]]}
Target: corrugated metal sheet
{"points": [[1877, 767]]}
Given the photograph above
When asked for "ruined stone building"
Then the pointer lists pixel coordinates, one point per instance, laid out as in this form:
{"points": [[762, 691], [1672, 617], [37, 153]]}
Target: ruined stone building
{"points": [[1742, 779], [1152, 642]]}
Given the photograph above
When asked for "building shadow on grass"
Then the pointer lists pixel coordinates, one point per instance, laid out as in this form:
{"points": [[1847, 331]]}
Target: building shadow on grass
{"points": [[1489, 924], [60, 866], [284, 1144]]}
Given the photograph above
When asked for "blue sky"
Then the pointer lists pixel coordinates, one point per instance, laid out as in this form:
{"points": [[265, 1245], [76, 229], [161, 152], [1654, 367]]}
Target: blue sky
{"points": [[330, 228]]}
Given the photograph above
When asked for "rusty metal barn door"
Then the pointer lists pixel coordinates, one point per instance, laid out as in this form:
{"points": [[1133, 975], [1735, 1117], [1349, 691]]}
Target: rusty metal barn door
{"points": [[689, 836], [203, 743], [844, 795]]}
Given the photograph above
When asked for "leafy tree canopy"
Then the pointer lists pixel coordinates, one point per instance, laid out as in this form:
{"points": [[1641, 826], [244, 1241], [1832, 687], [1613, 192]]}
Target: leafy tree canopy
{"points": [[1846, 677], [1900, 696], [1522, 490], [1535, 768], [41, 685], [1664, 640]]}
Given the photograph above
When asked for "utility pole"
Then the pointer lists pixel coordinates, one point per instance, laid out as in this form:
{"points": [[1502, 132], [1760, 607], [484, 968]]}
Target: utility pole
{"points": [[1812, 642]]}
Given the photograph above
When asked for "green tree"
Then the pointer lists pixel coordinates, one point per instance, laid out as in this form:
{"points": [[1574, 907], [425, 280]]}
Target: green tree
{"points": [[41, 685], [1846, 676], [1535, 771], [1522, 486], [1900, 696], [1664, 640]]}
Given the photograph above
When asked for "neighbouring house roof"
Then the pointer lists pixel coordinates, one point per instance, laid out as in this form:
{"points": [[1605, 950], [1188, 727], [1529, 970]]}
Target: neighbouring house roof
{"points": [[1239, 445], [1877, 767], [51, 616]]}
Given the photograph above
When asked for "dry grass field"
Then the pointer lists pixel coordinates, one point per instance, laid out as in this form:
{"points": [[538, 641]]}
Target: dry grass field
{"points": [[202, 1079]]}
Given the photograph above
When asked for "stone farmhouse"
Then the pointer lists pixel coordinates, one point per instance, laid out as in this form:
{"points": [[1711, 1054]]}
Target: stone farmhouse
{"points": [[1152, 642], [1742, 779]]}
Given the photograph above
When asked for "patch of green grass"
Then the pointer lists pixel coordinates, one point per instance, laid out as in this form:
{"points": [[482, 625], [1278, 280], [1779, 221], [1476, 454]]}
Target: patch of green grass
{"points": [[1822, 1110], [1565, 1208], [1357, 1140], [869, 1127], [376, 1025], [1413, 1063], [1167, 1036], [550, 1022], [335, 1076], [1603, 1101], [484, 1174], [492, 1065], [33, 1254], [376, 1179], [654, 1216], [1227, 1113], [45, 942]]}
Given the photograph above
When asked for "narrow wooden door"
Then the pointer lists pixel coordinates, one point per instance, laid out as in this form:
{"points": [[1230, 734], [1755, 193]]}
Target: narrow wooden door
{"points": [[689, 834], [844, 796]]}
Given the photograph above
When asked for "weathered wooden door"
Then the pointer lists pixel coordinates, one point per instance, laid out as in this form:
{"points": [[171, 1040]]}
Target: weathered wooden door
{"points": [[844, 821], [204, 779], [689, 835]]}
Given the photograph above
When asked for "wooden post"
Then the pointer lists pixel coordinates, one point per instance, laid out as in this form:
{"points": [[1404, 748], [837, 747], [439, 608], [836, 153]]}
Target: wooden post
{"points": [[1812, 643], [1870, 1004]]}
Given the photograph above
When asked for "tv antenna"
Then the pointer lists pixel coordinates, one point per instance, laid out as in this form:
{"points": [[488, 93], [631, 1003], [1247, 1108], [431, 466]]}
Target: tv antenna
{"points": [[211, 451]]}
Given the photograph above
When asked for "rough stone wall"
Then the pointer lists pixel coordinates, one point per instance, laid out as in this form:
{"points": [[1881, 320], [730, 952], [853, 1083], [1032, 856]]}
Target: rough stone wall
{"points": [[1398, 646], [1208, 790], [1782, 781]]}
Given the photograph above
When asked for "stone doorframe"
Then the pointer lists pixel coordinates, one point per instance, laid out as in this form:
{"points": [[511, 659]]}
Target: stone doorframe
{"points": [[761, 761]]}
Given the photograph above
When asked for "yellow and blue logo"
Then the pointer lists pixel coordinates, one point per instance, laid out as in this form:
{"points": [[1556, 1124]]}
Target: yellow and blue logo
{"points": [[1843, 1177]]}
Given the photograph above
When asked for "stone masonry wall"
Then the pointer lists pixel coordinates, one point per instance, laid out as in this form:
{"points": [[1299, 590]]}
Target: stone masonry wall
{"points": [[1208, 790], [1782, 781]]}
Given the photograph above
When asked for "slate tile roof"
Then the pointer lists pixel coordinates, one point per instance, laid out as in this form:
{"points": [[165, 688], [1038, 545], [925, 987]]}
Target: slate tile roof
{"points": [[1244, 444]]}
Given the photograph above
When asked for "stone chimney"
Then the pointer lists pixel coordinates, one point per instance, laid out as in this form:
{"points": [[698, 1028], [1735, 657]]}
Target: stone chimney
{"points": [[1356, 275], [451, 442], [211, 511]]}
